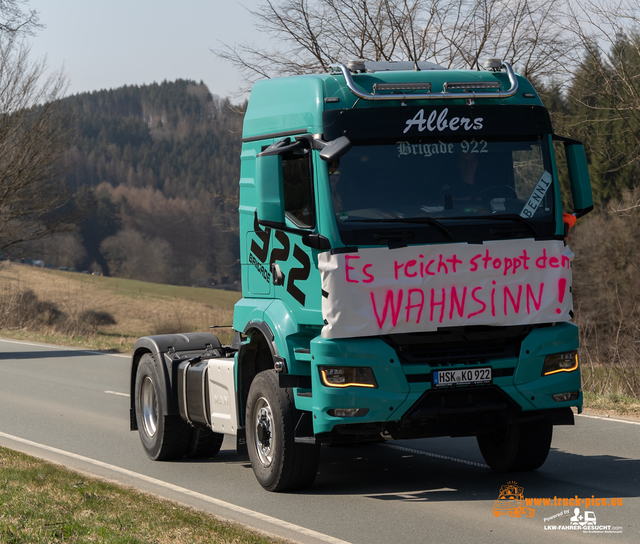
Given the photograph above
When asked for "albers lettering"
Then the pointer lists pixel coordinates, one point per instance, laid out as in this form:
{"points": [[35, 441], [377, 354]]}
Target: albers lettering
{"points": [[440, 122]]}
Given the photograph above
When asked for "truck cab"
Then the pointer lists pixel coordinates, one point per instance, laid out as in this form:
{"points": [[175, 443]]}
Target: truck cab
{"points": [[405, 273]]}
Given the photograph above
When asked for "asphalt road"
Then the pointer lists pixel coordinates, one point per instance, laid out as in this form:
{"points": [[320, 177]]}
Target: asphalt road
{"points": [[71, 406]]}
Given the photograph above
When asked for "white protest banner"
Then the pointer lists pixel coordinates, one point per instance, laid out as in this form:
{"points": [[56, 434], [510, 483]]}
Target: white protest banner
{"points": [[421, 288]]}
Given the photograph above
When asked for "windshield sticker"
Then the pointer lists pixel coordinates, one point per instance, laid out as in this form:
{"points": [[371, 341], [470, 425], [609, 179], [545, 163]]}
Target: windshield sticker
{"points": [[435, 122], [533, 202], [423, 288]]}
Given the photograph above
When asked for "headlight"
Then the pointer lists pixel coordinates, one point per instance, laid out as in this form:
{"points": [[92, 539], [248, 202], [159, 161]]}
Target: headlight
{"points": [[347, 376], [560, 362]]}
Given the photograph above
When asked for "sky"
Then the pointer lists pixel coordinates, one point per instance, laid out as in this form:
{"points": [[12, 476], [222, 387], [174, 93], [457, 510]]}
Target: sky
{"points": [[105, 44]]}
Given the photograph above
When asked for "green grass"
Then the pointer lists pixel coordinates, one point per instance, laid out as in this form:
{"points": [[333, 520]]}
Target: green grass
{"points": [[42, 503], [135, 288]]}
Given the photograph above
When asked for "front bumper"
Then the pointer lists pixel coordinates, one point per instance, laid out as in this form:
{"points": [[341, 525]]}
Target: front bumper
{"points": [[405, 404]]}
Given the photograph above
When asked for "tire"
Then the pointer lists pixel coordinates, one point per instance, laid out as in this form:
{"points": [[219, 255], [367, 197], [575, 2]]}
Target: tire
{"points": [[164, 437], [204, 443], [519, 447], [279, 463]]}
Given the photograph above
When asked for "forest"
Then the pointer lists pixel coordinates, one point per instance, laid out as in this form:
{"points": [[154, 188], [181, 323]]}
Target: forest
{"points": [[154, 172]]}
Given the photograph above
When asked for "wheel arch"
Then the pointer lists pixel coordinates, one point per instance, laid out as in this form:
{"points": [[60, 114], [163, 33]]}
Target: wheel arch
{"points": [[135, 362], [268, 329], [157, 346], [255, 355], [154, 346]]}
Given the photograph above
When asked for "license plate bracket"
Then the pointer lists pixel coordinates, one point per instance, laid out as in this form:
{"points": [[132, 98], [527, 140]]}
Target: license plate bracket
{"points": [[462, 376]]}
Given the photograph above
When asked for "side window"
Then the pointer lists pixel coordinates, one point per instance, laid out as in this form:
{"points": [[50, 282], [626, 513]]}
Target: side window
{"points": [[298, 188]]}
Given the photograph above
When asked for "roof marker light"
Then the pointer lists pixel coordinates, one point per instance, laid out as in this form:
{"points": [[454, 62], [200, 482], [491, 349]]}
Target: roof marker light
{"points": [[471, 85]]}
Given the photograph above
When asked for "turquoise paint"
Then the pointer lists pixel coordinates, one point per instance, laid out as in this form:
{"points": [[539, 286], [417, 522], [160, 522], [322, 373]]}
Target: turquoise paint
{"points": [[295, 105]]}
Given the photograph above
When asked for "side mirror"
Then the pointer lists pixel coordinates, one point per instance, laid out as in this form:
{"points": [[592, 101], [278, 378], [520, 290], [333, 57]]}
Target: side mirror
{"points": [[335, 149], [270, 188], [578, 175]]}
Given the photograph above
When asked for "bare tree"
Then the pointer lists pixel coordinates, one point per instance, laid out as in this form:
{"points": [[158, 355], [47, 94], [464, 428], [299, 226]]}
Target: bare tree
{"points": [[15, 21], [130, 254], [309, 35], [33, 138], [33, 135], [607, 86]]}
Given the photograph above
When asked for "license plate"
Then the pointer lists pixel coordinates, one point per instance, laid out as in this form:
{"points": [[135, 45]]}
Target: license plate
{"points": [[472, 376]]}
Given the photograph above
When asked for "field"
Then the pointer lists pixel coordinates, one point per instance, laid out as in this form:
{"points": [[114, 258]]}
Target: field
{"points": [[103, 313]]}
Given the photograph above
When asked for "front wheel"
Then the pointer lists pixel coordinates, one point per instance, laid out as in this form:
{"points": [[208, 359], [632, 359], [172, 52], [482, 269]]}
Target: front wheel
{"points": [[517, 447], [279, 463]]}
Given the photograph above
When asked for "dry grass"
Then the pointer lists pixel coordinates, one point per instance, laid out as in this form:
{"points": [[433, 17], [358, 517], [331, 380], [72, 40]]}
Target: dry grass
{"points": [[607, 297], [111, 313], [612, 403]]}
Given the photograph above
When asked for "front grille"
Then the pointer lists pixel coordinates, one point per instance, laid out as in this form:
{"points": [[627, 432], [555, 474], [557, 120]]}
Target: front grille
{"points": [[456, 412], [460, 345], [463, 400]]}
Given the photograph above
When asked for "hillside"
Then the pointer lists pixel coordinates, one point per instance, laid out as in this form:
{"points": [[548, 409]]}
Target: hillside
{"points": [[156, 167]]}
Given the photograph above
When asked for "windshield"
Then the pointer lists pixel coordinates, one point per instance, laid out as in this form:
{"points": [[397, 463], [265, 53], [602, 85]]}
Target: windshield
{"points": [[452, 185]]}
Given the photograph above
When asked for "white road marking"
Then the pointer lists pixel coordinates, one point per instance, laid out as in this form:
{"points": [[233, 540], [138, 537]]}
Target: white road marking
{"points": [[119, 394], [66, 348], [436, 455], [184, 491], [611, 419]]}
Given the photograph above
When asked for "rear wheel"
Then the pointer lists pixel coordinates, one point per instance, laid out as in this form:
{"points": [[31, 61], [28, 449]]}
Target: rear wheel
{"points": [[164, 437], [204, 443], [517, 447], [279, 463]]}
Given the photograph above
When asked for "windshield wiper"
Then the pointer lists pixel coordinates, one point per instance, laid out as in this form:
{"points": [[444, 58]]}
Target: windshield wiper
{"points": [[502, 217], [423, 220]]}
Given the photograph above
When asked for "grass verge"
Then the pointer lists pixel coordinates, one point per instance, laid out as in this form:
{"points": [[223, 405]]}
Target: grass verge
{"points": [[44, 503]]}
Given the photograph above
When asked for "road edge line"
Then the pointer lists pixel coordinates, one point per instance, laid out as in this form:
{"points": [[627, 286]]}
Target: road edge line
{"points": [[194, 494], [611, 419]]}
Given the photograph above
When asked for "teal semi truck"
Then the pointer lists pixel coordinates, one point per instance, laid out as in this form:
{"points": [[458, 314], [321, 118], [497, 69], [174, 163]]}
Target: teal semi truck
{"points": [[405, 274]]}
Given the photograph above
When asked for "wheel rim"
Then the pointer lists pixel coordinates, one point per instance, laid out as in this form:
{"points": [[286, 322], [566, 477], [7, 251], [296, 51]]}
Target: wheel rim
{"points": [[263, 432], [149, 406]]}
